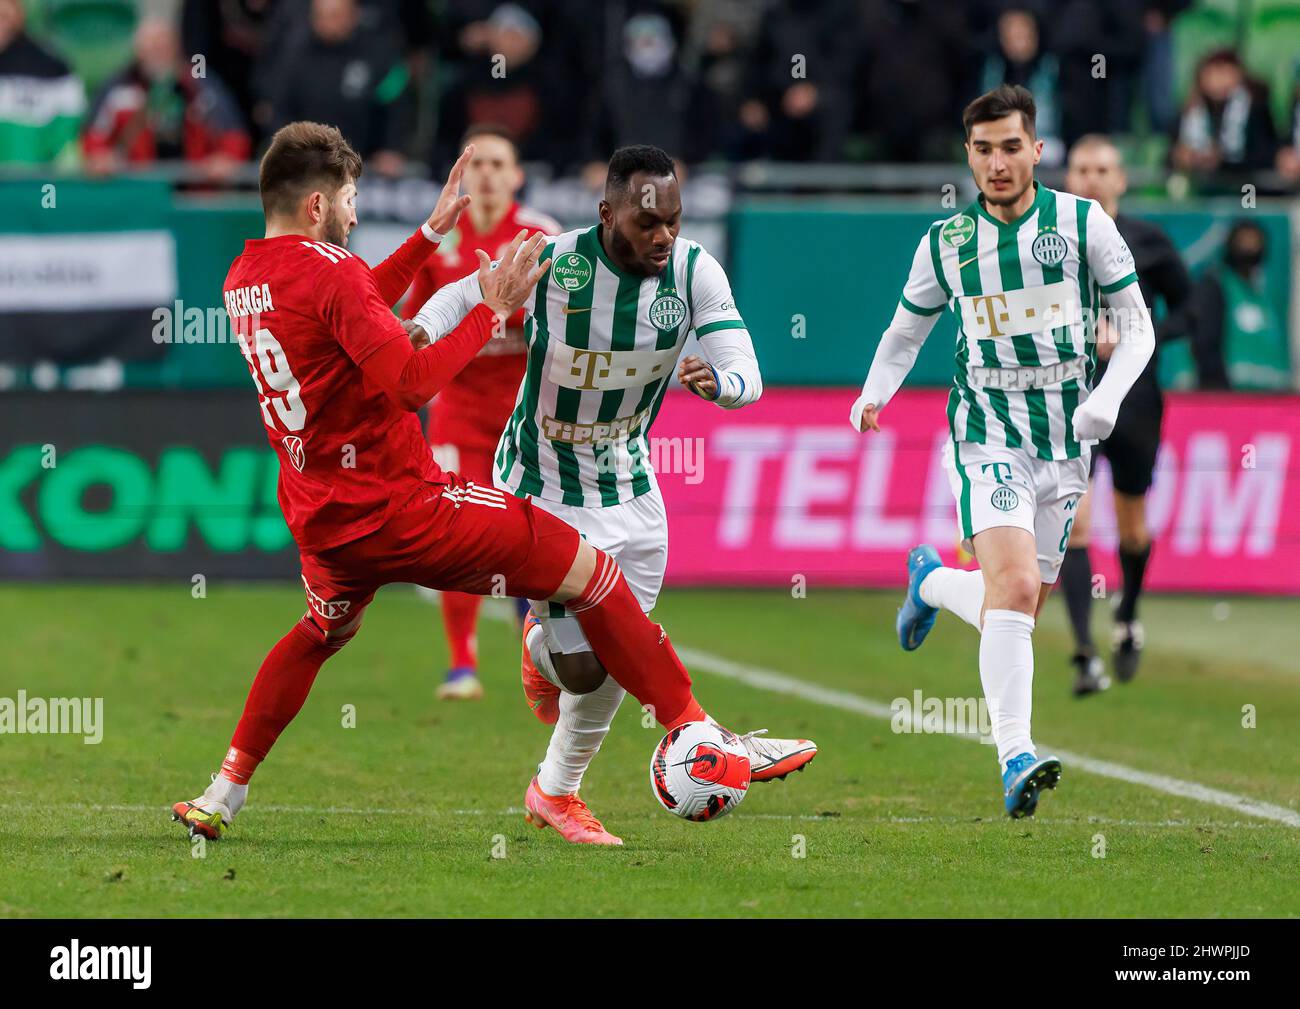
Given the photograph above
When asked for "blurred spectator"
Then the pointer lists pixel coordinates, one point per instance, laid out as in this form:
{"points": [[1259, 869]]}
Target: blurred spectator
{"points": [[799, 107], [1099, 47], [912, 79], [157, 109], [408, 24], [1288, 155], [41, 100], [499, 77], [1226, 124], [644, 92], [349, 75], [532, 65], [1238, 339], [1018, 58], [1158, 62], [229, 35], [715, 59]]}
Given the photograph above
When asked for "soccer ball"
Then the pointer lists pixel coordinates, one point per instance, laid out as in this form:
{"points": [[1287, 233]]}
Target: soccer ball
{"points": [[699, 771]]}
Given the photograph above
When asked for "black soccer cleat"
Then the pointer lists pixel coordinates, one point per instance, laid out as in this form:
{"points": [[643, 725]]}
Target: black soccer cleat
{"points": [[1128, 640], [1089, 674]]}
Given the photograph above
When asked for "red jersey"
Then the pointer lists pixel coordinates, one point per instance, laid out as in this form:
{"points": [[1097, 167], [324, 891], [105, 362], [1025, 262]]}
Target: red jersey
{"points": [[306, 314], [472, 411]]}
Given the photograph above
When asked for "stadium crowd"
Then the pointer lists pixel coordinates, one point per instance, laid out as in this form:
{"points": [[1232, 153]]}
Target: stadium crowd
{"points": [[1204, 88]]}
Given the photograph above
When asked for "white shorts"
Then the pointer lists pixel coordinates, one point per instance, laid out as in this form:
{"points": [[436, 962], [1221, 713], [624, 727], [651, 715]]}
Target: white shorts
{"points": [[635, 534], [999, 486]]}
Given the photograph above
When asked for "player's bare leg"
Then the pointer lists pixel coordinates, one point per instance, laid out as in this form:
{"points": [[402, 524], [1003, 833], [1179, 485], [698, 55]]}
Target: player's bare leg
{"points": [[1128, 637], [277, 695]]}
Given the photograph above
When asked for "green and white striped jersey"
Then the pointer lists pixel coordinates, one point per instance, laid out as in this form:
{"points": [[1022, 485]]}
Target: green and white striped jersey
{"points": [[1026, 297], [602, 351]]}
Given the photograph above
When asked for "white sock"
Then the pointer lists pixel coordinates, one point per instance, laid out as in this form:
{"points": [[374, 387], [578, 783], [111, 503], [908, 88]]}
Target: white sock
{"points": [[581, 728], [957, 591], [224, 790], [1007, 672], [541, 655]]}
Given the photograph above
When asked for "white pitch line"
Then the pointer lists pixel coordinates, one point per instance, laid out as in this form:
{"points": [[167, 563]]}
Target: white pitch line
{"points": [[780, 683]]}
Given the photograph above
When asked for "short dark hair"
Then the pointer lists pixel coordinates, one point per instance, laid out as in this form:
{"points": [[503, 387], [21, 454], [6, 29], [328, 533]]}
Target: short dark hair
{"points": [[490, 130], [627, 161], [1000, 103], [304, 156]]}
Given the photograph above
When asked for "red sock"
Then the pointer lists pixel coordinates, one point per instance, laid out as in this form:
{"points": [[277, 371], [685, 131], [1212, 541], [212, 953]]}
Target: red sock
{"points": [[635, 651], [460, 618], [277, 695]]}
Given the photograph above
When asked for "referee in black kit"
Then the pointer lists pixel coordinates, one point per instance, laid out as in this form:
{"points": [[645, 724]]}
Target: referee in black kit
{"points": [[1096, 171]]}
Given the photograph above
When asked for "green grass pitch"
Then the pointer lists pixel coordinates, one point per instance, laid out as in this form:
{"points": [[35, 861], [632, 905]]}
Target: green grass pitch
{"points": [[416, 810]]}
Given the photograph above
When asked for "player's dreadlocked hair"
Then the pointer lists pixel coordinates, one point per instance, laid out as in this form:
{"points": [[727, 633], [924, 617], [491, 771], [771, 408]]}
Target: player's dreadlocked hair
{"points": [[627, 161], [1000, 103], [305, 157]]}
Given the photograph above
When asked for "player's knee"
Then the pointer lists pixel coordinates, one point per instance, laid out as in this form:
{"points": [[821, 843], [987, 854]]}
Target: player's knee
{"points": [[1015, 589], [337, 637], [580, 672]]}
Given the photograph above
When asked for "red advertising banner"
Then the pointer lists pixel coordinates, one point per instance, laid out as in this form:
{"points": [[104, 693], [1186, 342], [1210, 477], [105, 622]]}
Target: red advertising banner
{"points": [[786, 488]]}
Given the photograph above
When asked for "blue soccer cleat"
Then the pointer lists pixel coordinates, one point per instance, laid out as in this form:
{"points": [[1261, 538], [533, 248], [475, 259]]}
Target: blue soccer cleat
{"points": [[1026, 776], [915, 618]]}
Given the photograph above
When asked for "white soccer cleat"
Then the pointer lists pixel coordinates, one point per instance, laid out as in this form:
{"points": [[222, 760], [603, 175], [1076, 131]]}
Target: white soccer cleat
{"points": [[204, 817], [770, 759], [463, 688]]}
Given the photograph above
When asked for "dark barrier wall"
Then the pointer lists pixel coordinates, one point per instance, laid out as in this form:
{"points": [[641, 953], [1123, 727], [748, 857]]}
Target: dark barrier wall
{"points": [[139, 484]]}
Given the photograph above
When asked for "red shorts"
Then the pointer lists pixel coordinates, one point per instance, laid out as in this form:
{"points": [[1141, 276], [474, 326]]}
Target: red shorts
{"points": [[461, 536]]}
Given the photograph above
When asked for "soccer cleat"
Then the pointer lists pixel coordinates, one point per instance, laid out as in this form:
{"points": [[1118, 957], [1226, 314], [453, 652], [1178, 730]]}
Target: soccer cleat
{"points": [[568, 814], [770, 759], [460, 685], [542, 695], [1025, 777], [1090, 674], [204, 817], [915, 616], [1128, 640]]}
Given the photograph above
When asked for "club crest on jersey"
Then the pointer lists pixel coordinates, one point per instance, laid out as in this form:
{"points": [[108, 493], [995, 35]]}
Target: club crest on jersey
{"points": [[571, 271], [1049, 248], [958, 231], [293, 445], [1004, 498], [667, 311]]}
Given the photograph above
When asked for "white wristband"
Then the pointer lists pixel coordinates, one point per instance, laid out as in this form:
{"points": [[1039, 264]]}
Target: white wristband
{"points": [[430, 234]]}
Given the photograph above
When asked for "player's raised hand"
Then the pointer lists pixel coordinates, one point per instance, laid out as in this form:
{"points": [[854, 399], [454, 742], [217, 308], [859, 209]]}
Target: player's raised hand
{"points": [[450, 202], [698, 375], [506, 283]]}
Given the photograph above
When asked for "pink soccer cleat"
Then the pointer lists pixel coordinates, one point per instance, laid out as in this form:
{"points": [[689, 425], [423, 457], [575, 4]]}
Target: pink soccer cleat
{"points": [[542, 695], [568, 814]]}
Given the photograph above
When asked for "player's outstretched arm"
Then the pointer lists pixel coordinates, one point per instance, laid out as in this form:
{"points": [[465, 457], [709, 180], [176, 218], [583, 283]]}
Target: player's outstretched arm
{"points": [[447, 306], [414, 377], [918, 309]]}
